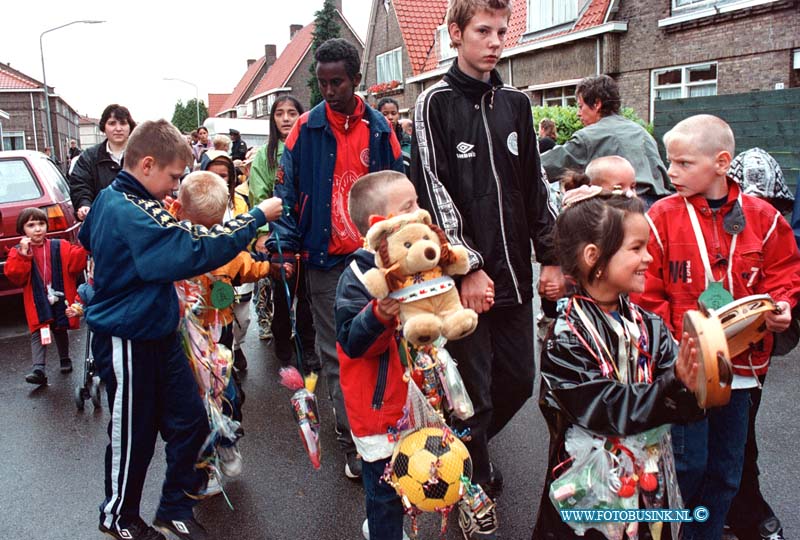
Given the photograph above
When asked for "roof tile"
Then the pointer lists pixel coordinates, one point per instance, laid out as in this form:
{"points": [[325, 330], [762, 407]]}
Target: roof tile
{"points": [[294, 52], [11, 81], [235, 97]]}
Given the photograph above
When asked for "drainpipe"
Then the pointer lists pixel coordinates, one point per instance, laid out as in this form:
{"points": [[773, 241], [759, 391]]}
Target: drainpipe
{"points": [[597, 56], [510, 71], [33, 117]]}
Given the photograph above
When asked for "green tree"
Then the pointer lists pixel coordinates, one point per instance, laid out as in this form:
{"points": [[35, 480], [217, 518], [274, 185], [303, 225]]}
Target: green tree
{"points": [[185, 116], [325, 28], [567, 121]]}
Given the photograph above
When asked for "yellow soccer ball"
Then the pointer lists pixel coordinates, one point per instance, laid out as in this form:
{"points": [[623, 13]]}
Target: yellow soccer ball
{"points": [[427, 467]]}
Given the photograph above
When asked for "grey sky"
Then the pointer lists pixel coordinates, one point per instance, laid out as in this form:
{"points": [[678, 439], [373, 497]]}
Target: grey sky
{"points": [[125, 59]]}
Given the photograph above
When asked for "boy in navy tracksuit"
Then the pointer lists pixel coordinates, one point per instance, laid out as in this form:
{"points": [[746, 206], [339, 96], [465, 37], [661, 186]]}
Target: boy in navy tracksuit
{"points": [[139, 251], [371, 373]]}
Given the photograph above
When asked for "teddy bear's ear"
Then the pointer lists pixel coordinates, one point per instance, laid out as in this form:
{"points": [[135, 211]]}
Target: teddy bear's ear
{"points": [[373, 219], [376, 231], [424, 217]]}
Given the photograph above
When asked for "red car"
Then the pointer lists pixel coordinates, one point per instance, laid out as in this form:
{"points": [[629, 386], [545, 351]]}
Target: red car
{"points": [[29, 178]]}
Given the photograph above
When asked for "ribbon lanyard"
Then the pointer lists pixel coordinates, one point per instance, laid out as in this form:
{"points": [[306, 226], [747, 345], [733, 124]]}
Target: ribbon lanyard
{"points": [[701, 245]]}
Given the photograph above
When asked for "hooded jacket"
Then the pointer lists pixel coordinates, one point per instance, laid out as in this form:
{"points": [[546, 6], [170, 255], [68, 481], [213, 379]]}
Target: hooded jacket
{"points": [[140, 250], [304, 182], [766, 261], [475, 165], [574, 391], [94, 171], [370, 370]]}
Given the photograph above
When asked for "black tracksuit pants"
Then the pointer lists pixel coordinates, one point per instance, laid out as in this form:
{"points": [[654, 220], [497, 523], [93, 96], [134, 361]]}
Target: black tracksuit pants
{"points": [[497, 365], [151, 390]]}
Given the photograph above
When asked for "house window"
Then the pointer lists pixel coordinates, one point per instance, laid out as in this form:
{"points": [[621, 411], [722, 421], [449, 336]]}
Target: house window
{"points": [[270, 101], [684, 5], [696, 80], [13, 140], [390, 66], [443, 38], [260, 105], [559, 97], [543, 14]]}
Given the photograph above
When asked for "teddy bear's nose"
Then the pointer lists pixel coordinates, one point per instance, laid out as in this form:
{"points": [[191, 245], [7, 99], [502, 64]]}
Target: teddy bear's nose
{"points": [[430, 253]]}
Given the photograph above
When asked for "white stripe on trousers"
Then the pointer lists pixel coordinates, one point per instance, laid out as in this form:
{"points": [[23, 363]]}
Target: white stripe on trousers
{"points": [[120, 443]]}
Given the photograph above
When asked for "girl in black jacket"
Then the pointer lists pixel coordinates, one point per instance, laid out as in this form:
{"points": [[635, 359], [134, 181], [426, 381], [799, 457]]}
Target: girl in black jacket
{"points": [[608, 366]]}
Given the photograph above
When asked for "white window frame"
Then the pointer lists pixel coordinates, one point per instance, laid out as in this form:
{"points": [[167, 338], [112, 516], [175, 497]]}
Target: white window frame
{"points": [[684, 85], [446, 52], [691, 4], [564, 98], [14, 134], [389, 66], [260, 102], [545, 14], [271, 101]]}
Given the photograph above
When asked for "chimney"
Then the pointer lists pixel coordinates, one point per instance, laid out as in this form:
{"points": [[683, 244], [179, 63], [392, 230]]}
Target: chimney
{"points": [[338, 5], [250, 62], [270, 55], [293, 29]]}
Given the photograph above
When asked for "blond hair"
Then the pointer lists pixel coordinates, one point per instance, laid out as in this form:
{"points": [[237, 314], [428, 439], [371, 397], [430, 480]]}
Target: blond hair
{"points": [[706, 132], [461, 11], [160, 140], [222, 142], [367, 197], [608, 171], [203, 197]]}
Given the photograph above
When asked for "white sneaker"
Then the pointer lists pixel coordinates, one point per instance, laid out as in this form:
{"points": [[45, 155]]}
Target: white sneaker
{"points": [[230, 460], [212, 487], [477, 525], [365, 531]]}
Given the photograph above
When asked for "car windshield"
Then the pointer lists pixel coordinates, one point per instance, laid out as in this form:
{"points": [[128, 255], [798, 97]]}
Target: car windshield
{"points": [[16, 182]]}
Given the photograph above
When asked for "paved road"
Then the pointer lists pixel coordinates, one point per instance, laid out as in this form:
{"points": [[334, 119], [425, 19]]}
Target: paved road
{"points": [[51, 474]]}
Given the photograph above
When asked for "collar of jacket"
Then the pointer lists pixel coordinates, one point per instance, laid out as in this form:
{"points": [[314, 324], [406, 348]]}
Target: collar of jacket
{"points": [[345, 122], [127, 183], [317, 119], [472, 88], [733, 220]]}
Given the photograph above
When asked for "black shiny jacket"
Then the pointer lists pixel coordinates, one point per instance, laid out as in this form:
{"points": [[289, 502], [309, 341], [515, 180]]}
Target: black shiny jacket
{"points": [[574, 391], [94, 171]]}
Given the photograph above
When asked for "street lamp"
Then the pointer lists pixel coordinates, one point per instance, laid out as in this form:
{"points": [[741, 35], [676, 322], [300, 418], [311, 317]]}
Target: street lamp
{"points": [[196, 95], [44, 77]]}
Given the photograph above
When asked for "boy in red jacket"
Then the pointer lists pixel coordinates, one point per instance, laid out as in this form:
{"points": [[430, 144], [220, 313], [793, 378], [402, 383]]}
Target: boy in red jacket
{"points": [[48, 270], [371, 374], [713, 243]]}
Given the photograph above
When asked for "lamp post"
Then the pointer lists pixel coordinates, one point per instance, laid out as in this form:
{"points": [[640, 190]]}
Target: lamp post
{"points": [[196, 95], [44, 76]]}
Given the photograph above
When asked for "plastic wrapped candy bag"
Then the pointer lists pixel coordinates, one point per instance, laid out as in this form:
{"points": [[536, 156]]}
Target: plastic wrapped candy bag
{"points": [[454, 390], [305, 411]]}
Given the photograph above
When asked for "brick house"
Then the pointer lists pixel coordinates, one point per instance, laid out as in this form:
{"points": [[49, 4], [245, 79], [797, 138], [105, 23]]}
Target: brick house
{"points": [[22, 99], [692, 48], [399, 41], [235, 105], [272, 75], [90, 133], [656, 49], [215, 103]]}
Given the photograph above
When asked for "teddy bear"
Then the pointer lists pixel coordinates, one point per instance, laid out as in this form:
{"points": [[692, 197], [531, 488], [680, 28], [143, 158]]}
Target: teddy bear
{"points": [[414, 264]]}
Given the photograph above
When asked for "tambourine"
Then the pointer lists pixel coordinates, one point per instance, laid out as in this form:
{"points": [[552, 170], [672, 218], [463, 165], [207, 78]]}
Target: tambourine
{"points": [[744, 322], [715, 371]]}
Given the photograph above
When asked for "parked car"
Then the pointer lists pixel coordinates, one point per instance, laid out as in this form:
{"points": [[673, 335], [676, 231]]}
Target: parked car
{"points": [[29, 178]]}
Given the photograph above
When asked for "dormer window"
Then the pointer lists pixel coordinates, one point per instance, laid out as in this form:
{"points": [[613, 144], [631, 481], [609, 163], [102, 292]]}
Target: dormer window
{"points": [[544, 14], [443, 39]]}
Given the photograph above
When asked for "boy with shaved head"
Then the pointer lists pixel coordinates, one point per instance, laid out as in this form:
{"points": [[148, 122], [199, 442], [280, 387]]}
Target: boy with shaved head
{"points": [[711, 242]]}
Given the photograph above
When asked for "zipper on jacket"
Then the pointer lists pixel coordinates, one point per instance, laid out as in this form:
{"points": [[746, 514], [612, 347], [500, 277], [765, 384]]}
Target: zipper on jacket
{"points": [[380, 386], [717, 243], [499, 195]]}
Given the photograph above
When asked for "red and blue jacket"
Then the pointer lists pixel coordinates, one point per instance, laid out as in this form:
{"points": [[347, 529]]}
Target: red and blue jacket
{"points": [[370, 370], [305, 181]]}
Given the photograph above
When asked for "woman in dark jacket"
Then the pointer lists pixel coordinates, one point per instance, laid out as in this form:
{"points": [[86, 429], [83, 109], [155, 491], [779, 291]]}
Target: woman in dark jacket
{"points": [[97, 167]]}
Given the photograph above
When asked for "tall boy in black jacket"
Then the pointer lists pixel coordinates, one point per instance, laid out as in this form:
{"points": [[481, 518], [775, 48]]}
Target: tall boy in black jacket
{"points": [[476, 168]]}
